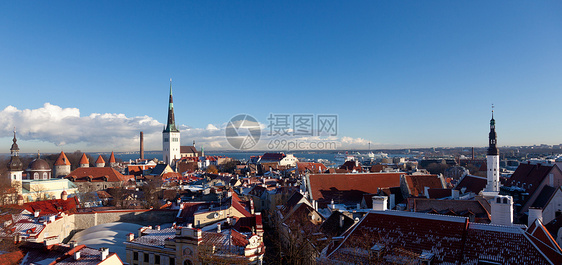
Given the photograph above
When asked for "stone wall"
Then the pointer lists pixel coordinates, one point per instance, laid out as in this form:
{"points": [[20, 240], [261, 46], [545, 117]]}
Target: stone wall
{"points": [[141, 217]]}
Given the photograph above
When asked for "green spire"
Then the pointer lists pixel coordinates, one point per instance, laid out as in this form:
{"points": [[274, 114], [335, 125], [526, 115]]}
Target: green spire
{"points": [[171, 126]]}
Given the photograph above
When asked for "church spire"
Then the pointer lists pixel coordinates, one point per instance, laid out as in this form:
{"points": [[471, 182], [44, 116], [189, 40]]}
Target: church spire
{"points": [[171, 126], [15, 148], [492, 137]]}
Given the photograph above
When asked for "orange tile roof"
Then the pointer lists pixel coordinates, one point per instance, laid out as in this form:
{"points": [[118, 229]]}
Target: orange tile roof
{"points": [[62, 160], [364, 182], [112, 158], [100, 160], [84, 159]]}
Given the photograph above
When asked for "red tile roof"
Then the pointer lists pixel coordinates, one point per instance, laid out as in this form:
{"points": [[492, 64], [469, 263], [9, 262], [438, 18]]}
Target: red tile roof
{"points": [[456, 207], [97, 174], [452, 240], [62, 160], [439, 193], [529, 177], [238, 205], [417, 183], [352, 165], [84, 159], [312, 167], [544, 241], [272, 157], [363, 182], [11, 258], [472, 183], [501, 244], [51, 207], [442, 235]]}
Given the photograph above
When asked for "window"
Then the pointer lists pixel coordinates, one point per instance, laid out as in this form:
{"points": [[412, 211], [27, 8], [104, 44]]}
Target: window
{"points": [[172, 261], [135, 255], [35, 175], [146, 257], [166, 140], [156, 259]]}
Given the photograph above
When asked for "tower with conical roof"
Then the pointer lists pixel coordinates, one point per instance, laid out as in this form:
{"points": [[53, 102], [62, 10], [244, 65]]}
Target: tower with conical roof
{"points": [[112, 161], [15, 166], [84, 161], [493, 161], [100, 162], [62, 166], [171, 135]]}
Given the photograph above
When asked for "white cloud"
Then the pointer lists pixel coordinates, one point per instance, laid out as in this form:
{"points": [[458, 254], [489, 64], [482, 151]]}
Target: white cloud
{"points": [[117, 132]]}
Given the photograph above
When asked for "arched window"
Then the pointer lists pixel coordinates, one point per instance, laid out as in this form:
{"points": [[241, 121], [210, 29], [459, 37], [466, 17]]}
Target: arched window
{"points": [[35, 175], [505, 200], [499, 200], [44, 175]]}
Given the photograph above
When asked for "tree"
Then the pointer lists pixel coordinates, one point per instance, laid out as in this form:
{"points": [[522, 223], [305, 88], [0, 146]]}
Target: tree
{"points": [[437, 168], [152, 190], [212, 169], [39, 192], [229, 166]]}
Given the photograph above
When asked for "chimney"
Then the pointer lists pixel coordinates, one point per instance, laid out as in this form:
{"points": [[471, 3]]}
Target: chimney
{"points": [[426, 192], [130, 237], [252, 206], [392, 201], [455, 194], [473, 153], [502, 210], [342, 219], [534, 214], [141, 145], [36, 214], [158, 228], [218, 228], [379, 203], [77, 255], [104, 253]]}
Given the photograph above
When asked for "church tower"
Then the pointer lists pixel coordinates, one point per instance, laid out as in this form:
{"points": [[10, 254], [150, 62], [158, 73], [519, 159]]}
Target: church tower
{"points": [[15, 166], [171, 135], [493, 162]]}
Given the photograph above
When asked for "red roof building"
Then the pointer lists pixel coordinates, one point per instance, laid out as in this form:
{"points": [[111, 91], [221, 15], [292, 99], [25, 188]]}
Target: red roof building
{"points": [[326, 187], [407, 237]]}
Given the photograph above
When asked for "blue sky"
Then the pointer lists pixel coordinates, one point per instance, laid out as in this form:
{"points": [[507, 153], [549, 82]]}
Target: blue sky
{"points": [[406, 73]]}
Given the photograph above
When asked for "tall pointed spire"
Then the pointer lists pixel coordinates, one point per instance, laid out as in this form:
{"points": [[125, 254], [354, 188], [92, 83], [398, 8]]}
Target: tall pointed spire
{"points": [[492, 137], [171, 126]]}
